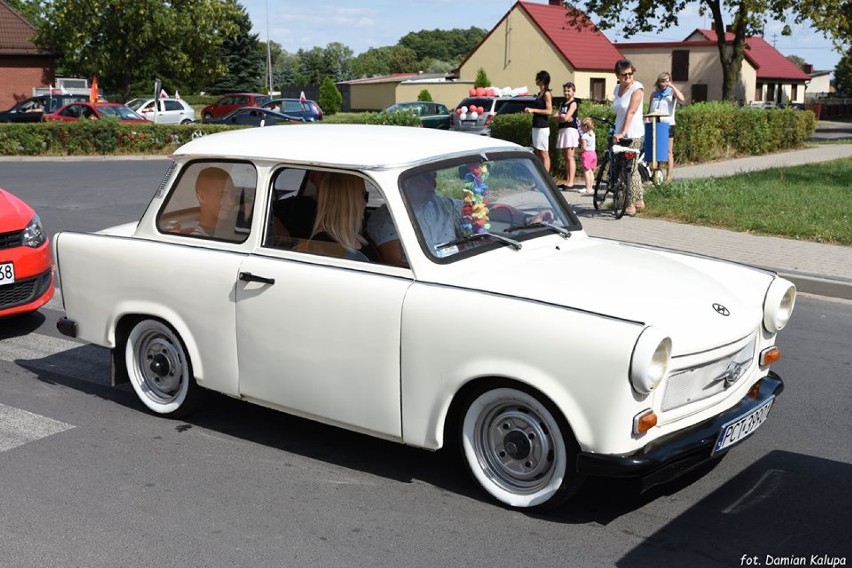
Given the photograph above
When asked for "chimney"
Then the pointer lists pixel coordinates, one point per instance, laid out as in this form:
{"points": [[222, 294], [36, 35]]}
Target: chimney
{"points": [[555, 2], [808, 68]]}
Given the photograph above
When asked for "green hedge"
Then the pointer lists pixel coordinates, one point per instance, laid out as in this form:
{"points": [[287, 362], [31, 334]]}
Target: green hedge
{"points": [[705, 131]]}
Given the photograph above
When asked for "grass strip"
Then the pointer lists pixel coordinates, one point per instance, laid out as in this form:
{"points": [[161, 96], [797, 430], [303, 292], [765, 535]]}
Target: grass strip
{"points": [[810, 202]]}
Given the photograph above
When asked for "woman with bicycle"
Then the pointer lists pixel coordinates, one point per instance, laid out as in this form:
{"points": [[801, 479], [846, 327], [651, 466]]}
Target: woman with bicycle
{"points": [[629, 124]]}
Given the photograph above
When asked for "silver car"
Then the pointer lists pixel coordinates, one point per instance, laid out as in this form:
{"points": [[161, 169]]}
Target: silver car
{"points": [[164, 111]]}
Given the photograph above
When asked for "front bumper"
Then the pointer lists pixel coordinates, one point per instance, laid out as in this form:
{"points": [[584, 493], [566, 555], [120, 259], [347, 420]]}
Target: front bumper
{"points": [[674, 455]]}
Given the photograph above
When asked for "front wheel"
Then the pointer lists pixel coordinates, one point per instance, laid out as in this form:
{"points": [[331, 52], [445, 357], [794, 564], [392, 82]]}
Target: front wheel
{"points": [[621, 191], [517, 449], [159, 369]]}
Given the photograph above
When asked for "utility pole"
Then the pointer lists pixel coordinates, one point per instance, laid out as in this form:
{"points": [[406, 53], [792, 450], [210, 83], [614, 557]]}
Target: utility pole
{"points": [[268, 52]]}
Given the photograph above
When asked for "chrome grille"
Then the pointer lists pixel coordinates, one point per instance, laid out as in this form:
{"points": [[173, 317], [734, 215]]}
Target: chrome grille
{"points": [[9, 240], [691, 385], [24, 291]]}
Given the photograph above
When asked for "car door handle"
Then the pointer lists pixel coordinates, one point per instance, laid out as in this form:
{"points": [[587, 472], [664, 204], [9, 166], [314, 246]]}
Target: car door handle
{"points": [[249, 277]]}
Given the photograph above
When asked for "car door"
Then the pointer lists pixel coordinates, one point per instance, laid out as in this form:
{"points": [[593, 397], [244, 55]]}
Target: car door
{"points": [[172, 112], [320, 337]]}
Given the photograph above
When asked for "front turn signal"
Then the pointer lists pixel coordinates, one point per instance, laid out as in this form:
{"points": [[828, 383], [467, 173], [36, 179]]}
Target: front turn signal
{"points": [[769, 356], [644, 421]]}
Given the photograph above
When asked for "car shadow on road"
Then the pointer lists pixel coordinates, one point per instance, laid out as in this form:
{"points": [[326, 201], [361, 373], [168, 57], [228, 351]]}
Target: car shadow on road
{"points": [[18, 326], [781, 509], [602, 501]]}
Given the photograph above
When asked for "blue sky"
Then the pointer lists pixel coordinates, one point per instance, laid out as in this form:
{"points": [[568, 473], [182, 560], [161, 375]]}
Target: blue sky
{"points": [[362, 24]]}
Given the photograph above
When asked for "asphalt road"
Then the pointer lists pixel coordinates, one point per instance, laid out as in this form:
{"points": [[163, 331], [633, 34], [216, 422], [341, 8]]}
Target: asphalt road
{"points": [[90, 479]]}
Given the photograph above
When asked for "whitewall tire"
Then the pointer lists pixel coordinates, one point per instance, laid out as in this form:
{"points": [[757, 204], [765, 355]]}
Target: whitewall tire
{"points": [[159, 368], [518, 450]]}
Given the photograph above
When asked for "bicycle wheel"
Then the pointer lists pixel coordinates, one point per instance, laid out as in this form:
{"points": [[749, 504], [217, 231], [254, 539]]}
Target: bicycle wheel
{"points": [[621, 193], [602, 177]]}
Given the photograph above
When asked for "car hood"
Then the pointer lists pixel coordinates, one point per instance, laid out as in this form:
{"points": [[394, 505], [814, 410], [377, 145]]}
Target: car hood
{"points": [[14, 213], [681, 294]]}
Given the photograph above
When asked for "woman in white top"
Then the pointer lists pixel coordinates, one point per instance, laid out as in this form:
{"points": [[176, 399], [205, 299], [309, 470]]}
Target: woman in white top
{"points": [[629, 123], [664, 100]]}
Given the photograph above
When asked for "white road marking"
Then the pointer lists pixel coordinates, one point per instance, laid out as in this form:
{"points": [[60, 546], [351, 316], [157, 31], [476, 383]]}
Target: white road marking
{"points": [[19, 427]]}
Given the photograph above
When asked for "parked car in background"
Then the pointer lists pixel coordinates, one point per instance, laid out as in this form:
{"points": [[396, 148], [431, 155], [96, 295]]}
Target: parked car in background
{"points": [[431, 115], [231, 102], [463, 119], [516, 105], [253, 116], [308, 109], [486, 320], [26, 264], [33, 108], [164, 111], [94, 111]]}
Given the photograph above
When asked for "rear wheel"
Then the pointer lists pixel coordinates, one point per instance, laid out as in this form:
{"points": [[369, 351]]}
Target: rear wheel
{"points": [[600, 189], [621, 190], [518, 449], [159, 369]]}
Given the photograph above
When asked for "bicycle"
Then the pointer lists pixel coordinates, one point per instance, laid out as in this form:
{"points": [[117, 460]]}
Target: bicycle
{"points": [[616, 168]]}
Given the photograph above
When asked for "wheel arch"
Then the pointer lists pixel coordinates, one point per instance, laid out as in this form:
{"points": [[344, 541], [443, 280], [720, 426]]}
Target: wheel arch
{"points": [[567, 413], [125, 323]]}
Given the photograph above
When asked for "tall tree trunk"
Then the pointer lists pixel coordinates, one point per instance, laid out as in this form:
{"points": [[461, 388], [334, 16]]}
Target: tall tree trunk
{"points": [[731, 54]]}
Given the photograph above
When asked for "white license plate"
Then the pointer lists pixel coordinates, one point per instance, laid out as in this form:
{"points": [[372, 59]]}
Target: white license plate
{"points": [[741, 428], [469, 122], [7, 273]]}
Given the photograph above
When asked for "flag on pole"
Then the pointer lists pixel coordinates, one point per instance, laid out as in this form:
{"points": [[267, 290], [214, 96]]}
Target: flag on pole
{"points": [[163, 94], [302, 98], [177, 95], [93, 92]]}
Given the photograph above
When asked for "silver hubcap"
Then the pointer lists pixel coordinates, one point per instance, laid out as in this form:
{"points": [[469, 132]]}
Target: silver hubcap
{"points": [[159, 363], [516, 447]]}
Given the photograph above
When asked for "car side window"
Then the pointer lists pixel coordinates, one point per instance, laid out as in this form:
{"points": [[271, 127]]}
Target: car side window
{"points": [[173, 105], [211, 200]]}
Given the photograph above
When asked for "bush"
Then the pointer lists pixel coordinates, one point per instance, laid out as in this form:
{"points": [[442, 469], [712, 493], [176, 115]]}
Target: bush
{"points": [[329, 98], [396, 118], [425, 96]]}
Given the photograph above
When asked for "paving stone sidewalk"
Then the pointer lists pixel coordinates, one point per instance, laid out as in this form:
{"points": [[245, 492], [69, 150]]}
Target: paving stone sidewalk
{"points": [[815, 268]]}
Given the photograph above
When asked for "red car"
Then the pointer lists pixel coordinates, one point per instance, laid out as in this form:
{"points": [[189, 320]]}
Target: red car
{"points": [[85, 110], [230, 103], [26, 264]]}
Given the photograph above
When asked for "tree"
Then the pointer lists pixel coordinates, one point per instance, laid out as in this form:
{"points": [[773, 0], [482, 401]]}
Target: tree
{"points": [[29, 9], [747, 18], [797, 61], [444, 45], [245, 62], [482, 79], [125, 43], [403, 60], [843, 75], [329, 98], [374, 62]]}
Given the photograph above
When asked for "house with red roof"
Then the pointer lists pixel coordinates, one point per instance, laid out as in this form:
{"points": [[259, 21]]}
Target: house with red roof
{"points": [[534, 36], [22, 64], [767, 77]]}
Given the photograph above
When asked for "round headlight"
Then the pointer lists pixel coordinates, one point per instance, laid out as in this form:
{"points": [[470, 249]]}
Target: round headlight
{"points": [[778, 305], [651, 359]]}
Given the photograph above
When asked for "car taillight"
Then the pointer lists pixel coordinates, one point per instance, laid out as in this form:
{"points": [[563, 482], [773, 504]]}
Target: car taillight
{"points": [[488, 119]]}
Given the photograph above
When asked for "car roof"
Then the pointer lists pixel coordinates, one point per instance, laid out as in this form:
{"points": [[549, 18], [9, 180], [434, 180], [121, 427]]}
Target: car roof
{"points": [[345, 145]]}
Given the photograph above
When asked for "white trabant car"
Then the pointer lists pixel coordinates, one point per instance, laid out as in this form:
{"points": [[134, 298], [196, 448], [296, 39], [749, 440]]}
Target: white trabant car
{"points": [[473, 312]]}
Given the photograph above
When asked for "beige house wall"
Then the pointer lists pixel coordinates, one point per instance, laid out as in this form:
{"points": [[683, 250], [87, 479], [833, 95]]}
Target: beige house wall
{"points": [[704, 69], [516, 50], [819, 85], [372, 96]]}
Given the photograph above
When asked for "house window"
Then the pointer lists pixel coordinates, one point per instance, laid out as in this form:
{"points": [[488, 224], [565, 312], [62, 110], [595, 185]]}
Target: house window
{"points": [[758, 92], [794, 93], [770, 92], [597, 89], [680, 65], [699, 93]]}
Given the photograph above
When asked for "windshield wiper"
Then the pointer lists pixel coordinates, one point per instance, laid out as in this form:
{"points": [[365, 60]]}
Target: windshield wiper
{"points": [[505, 240], [539, 225]]}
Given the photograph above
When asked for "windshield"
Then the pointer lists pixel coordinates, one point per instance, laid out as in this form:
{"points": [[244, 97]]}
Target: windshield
{"points": [[135, 103], [121, 112], [462, 208]]}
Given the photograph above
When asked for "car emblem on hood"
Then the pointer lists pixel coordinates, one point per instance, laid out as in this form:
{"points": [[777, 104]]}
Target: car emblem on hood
{"points": [[721, 310]]}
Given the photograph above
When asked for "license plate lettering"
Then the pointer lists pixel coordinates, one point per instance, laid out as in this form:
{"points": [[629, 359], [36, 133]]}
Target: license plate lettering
{"points": [[7, 273], [741, 428]]}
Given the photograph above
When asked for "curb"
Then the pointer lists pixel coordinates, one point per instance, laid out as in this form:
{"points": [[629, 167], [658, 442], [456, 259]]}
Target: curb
{"points": [[818, 286]]}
